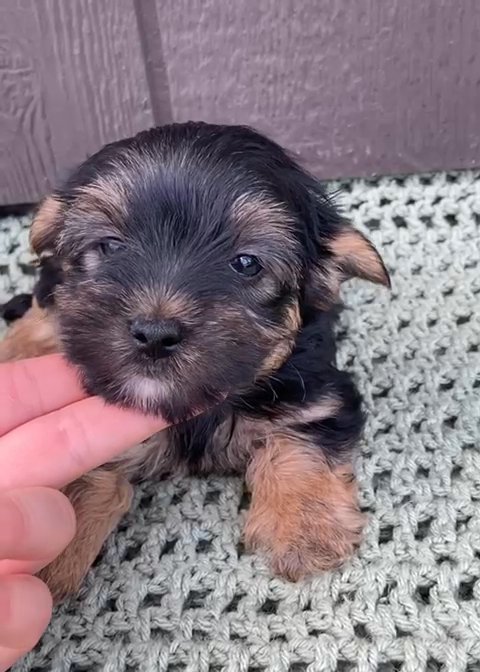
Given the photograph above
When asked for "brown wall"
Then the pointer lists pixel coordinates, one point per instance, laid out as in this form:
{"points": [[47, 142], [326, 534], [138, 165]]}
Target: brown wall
{"points": [[355, 87]]}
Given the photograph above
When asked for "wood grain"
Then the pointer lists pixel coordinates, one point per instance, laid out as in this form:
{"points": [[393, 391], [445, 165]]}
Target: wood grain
{"points": [[355, 88], [72, 78]]}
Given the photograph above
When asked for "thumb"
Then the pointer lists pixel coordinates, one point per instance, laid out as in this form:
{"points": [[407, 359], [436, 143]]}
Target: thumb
{"points": [[35, 523]]}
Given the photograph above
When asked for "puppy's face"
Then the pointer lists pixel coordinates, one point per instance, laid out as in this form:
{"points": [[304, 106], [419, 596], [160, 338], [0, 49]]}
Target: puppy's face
{"points": [[186, 256]]}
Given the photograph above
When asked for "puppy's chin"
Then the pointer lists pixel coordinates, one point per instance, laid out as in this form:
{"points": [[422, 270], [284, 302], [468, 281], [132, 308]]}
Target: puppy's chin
{"points": [[155, 397]]}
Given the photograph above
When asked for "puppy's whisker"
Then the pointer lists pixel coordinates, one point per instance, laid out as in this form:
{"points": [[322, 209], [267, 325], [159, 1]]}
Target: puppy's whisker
{"points": [[274, 394], [300, 377], [276, 379]]}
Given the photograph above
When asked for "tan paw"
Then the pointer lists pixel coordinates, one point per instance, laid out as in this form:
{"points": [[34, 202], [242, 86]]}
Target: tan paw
{"points": [[100, 499], [64, 576], [307, 520]]}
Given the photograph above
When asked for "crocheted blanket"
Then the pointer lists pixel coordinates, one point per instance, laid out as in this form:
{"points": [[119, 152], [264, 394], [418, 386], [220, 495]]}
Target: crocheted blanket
{"points": [[174, 590]]}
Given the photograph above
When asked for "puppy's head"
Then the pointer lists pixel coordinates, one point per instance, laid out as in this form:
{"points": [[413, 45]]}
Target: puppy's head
{"points": [[189, 256]]}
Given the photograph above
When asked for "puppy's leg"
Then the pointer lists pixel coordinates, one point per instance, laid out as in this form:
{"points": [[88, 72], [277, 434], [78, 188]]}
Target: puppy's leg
{"points": [[100, 499], [304, 512], [30, 336]]}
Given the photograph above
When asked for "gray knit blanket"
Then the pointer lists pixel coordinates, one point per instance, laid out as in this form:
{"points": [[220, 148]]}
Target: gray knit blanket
{"points": [[175, 591]]}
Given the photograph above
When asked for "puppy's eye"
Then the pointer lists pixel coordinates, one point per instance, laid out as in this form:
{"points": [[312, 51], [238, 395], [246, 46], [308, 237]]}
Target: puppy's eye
{"points": [[108, 246], [245, 264]]}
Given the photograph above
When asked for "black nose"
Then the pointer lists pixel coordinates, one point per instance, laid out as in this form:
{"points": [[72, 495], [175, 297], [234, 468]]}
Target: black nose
{"points": [[157, 338]]}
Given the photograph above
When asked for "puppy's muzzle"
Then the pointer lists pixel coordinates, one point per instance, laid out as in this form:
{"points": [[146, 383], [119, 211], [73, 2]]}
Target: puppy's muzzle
{"points": [[156, 338]]}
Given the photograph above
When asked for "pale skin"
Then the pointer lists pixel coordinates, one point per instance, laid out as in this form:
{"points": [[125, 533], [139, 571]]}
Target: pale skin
{"points": [[50, 434]]}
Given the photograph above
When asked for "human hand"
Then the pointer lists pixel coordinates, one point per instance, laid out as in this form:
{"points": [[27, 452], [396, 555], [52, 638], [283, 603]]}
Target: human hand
{"points": [[50, 433], [35, 526]]}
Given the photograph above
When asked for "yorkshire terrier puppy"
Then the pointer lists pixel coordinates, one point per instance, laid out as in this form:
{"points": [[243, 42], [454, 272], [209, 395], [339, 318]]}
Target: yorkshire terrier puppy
{"points": [[197, 266]]}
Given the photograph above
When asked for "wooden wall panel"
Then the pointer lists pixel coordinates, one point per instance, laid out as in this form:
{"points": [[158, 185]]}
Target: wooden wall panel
{"points": [[72, 77], [356, 88]]}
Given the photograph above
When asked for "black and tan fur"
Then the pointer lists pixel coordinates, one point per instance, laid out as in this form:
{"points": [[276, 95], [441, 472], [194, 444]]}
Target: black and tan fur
{"points": [[180, 203]]}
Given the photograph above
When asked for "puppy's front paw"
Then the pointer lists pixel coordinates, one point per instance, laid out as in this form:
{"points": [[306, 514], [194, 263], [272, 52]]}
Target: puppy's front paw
{"points": [[306, 537], [100, 499], [304, 515], [64, 576]]}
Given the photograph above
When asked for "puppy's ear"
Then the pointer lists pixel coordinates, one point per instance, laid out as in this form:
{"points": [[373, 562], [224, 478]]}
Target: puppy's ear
{"points": [[45, 227], [355, 256], [342, 253], [44, 231], [337, 251]]}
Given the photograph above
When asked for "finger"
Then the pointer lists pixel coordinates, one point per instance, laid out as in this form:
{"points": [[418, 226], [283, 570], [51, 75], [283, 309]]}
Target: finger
{"points": [[35, 524], [25, 610], [57, 448], [33, 387]]}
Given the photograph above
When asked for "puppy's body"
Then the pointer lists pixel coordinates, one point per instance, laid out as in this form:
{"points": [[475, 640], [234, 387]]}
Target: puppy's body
{"points": [[198, 266]]}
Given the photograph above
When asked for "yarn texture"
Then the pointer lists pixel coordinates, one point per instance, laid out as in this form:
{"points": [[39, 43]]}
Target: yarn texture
{"points": [[175, 591]]}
